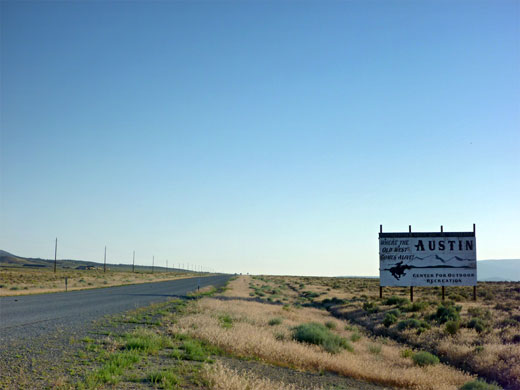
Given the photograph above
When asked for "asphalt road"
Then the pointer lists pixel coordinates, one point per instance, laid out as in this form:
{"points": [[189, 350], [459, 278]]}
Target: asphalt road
{"points": [[36, 315]]}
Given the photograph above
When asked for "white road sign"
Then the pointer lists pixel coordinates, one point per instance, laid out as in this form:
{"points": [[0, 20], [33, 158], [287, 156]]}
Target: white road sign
{"points": [[428, 259]]}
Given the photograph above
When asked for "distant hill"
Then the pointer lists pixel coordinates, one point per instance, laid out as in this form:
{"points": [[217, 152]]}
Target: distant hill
{"points": [[498, 270], [12, 261]]}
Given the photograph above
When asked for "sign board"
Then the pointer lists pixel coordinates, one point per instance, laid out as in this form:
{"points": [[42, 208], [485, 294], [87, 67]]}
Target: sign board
{"points": [[428, 259]]}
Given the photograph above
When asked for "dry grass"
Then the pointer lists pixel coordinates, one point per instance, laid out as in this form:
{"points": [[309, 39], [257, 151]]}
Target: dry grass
{"points": [[251, 335], [220, 377], [493, 353], [20, 281]]}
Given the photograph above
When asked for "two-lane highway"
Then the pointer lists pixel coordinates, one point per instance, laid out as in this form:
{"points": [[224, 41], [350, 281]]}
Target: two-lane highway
{"points": [[34, 315]]}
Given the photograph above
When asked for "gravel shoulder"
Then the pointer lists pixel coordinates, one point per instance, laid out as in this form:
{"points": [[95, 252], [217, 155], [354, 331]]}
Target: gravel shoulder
{"points": [[40, 335]]}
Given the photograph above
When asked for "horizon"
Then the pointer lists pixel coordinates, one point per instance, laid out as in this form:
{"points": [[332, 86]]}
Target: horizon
{"points": [[261, 138], [172, 266]]}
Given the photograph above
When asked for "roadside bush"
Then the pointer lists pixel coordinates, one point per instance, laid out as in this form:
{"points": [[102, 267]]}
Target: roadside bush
{"points": [[355, 337], [371, 307], [447, 313], [424, 358], [394, 300], [416, 306], [413, 323], [478, 324], [319, 334], [452, 327], [479, 385], [389, 319]]}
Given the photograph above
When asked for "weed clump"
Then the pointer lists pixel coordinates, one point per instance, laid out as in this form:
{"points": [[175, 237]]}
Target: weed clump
{"points": [[275, 321], [406, 353], [416, 306], [226, 321], [424, 358], [447, 313], [478, 324], [319, 334], [395, 300], [452, 327], [330, 325], [355, 337], [413, 323], [389, 319], [371, 307], [165, 379], [375, 349], [146, 341]]}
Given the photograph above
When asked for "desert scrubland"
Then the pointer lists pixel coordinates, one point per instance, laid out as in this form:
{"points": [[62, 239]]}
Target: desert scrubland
{"points": [[295, 333]]}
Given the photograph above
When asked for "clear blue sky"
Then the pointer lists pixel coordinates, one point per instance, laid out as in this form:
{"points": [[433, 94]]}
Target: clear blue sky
{"points": [[262, 137]]}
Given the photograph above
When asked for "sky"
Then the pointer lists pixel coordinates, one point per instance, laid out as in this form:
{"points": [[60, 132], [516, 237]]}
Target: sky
{"points": [[261, 137]]}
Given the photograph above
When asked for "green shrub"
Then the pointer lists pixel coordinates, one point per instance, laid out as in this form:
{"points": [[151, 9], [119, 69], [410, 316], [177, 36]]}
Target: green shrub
{"points": [[479, 385], [389, 319], [319, 334], [355, 337], [416, 306], [413, 323], [371, 307], [275, 321], [447, 313], [424, 358], [394, 300], [194, 350], [452, 327], [478, 324]]}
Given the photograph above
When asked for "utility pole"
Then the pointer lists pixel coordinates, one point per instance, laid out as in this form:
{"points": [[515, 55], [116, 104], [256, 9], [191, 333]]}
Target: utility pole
{"points": [[133, 263], [55, 253], [153, 262], [105, 260]]}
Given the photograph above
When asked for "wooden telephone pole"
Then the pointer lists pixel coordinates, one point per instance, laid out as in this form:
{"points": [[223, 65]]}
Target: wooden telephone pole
{"points": [[55, 253]]}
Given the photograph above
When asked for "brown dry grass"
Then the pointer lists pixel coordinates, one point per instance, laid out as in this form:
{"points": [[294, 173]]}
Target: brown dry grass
{"points": [[493, 353], [251, 335], [20, 281], [221, 377]]}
